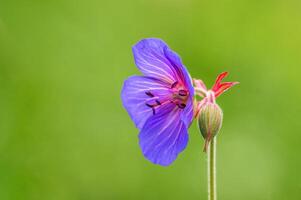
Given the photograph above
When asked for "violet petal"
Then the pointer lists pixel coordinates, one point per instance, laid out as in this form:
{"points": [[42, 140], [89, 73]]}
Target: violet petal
{"points": [[134, 97], [164, 135], [151, 60]]}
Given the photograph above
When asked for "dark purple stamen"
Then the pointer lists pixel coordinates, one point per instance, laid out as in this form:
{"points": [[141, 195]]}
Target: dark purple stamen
{"points": [[149, 105], [156, 103], [153, 106], [182, 92], [181, 105], [148, 93], [154, 111], [174, 84]]}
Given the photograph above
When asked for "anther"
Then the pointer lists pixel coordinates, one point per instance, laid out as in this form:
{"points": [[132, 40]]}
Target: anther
{"points": [[154, 111], [181, 105], [148, 93], [182, 92], [174, 84], [149, 105]]}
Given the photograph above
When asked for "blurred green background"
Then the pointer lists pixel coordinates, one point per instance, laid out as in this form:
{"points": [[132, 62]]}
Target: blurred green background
{"points": [[64, 134]]}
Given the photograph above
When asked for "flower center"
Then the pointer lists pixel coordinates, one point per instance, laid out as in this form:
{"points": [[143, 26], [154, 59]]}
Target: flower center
{"points": [[179, 96]]}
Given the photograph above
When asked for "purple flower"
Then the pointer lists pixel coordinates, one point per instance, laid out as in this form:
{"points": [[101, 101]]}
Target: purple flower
{"points": [[160, 102]]}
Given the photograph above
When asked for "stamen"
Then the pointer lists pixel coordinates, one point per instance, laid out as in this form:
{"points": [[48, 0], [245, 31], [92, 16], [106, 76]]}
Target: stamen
{"points": [[153, 105], [154, 111], [183, 93], [149, 105], [174, 84], [148, 93], [181, 105]]}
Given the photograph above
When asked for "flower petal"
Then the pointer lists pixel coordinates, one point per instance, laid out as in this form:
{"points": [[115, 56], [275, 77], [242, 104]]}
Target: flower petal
{"points": [[219, 87], [181, 71], [175, 60], [188, 113], [164, 135], [150, 58], [134, 97]]}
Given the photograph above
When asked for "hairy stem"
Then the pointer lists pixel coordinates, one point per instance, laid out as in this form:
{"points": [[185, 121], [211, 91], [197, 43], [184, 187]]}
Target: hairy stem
{"points": [[212, 170]]}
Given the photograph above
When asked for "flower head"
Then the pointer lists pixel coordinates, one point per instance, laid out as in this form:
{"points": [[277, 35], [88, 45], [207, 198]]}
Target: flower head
{"points": [[160, 102]]}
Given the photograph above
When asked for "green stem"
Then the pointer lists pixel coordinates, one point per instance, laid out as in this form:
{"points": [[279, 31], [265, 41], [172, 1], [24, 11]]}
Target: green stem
{"points": [[212, 170]]}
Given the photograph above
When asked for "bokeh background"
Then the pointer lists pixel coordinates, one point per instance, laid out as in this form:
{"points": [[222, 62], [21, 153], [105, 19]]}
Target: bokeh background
{"points": [[64, 134]]}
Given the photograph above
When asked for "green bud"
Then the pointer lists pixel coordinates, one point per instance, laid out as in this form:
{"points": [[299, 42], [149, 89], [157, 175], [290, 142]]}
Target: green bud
{"points": [[210, 120]]}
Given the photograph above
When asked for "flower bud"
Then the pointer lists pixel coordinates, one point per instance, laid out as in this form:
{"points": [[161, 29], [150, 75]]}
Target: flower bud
{"points": [[210, 120]]}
